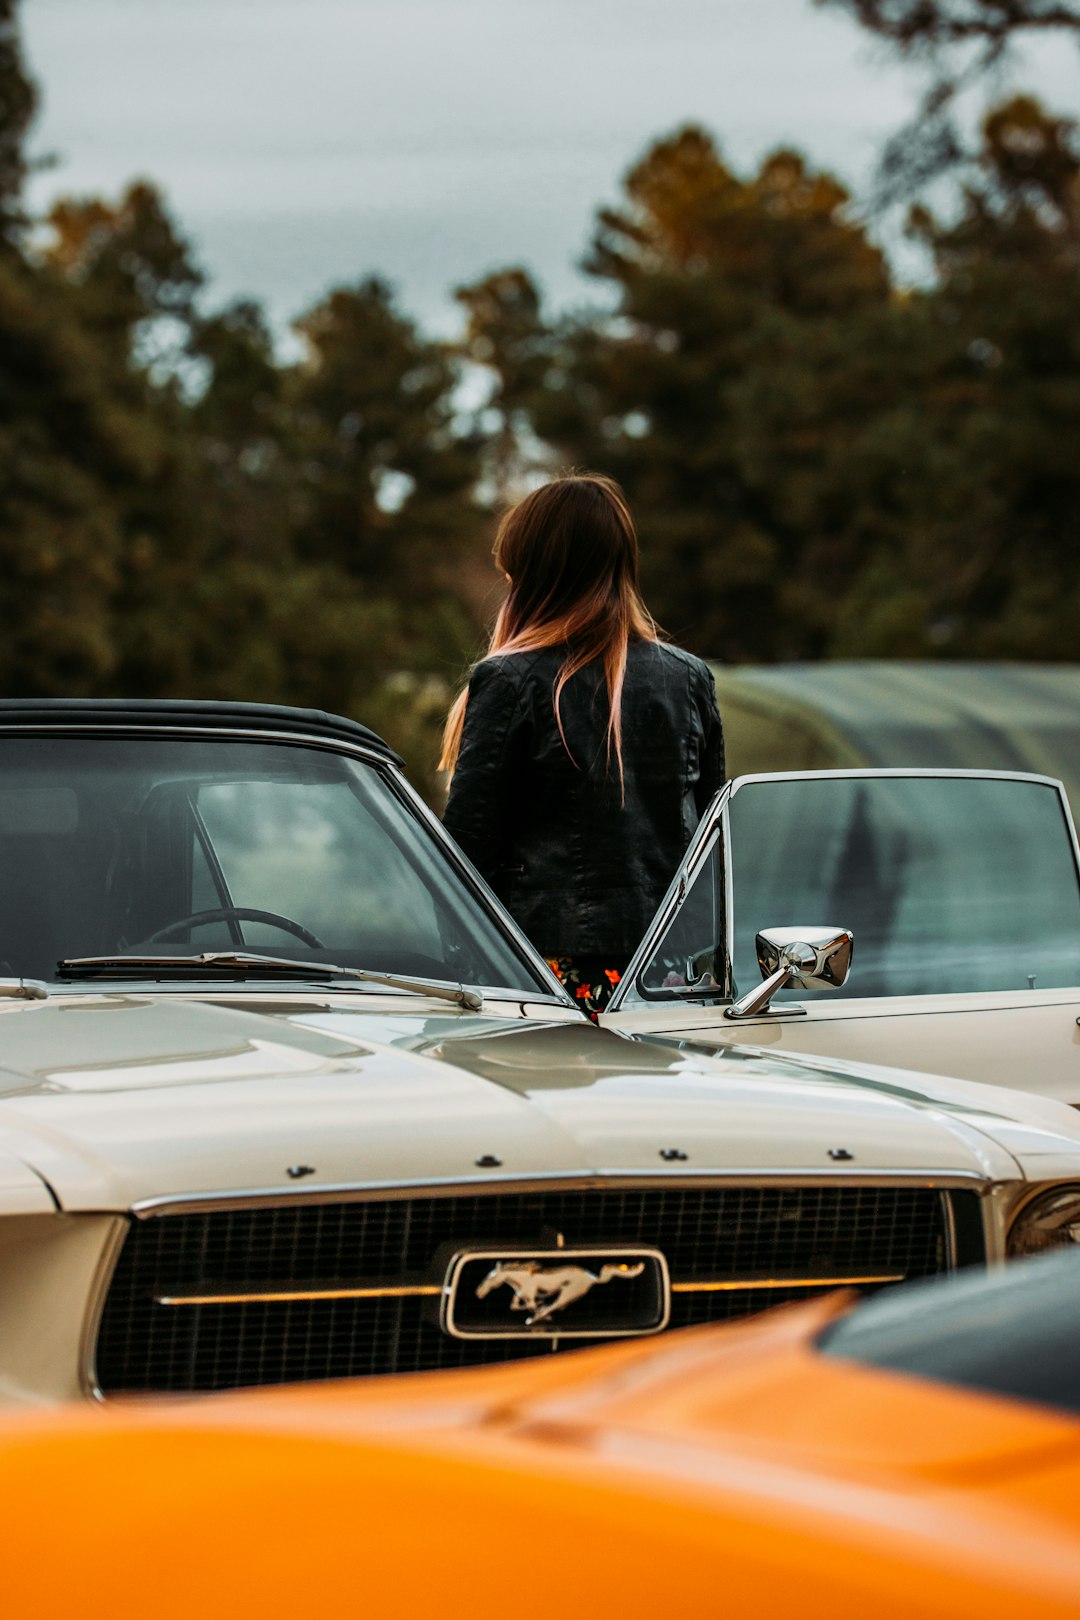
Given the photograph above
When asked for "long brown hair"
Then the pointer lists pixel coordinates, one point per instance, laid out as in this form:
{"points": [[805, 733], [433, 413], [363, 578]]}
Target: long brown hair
{"points": [[571, 551]]}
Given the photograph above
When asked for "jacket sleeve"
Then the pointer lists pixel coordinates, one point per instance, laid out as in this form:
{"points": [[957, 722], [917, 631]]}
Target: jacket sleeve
{"points": [[712, 775], [478, 810]]}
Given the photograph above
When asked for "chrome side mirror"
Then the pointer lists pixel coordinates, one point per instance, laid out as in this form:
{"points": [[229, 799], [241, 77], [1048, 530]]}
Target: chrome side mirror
{"points": [[810, 958]]}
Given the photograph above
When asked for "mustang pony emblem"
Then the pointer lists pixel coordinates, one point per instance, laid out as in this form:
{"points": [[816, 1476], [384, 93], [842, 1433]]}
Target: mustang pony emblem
{"points": [[543, 1290]]}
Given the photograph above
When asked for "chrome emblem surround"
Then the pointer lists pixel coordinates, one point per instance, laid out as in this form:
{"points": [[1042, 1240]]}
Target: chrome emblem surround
{"points": [[542, 1283]]}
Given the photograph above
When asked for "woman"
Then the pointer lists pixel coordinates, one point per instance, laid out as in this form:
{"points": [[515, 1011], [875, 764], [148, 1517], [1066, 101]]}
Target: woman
{"points": [[585, 749]]}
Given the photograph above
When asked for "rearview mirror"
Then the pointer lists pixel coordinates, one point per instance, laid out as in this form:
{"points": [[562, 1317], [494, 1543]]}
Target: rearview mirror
{"points": [[809, 958]]}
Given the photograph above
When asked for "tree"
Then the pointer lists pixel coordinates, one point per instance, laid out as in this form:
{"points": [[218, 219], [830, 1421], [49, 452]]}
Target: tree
{"points": [[183, 515], [718, 393], [506, 335], [59, 526], [129, 283], [993, 509], [388, 481], [385, 492], [18, 103], [960, 44], [932, 25], [59, 521]]}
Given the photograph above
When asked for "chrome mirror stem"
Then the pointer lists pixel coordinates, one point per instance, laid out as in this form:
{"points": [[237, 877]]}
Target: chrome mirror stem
{"points": [[757, 1001]]}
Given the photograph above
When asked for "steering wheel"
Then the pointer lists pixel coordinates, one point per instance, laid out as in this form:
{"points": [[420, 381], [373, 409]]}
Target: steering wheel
{"points": [[235, 914]]}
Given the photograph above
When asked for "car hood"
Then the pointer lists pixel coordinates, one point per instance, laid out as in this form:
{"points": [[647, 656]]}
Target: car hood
{"points": [[119, 1098], [686, 1474]]}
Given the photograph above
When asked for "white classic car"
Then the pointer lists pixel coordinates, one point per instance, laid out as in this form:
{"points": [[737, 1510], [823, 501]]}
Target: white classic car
{"points": [[960, 891], [284, 1094]]}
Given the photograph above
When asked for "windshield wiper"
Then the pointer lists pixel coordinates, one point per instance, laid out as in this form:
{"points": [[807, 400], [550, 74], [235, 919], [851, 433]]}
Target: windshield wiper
{"points": [[249, 964]]}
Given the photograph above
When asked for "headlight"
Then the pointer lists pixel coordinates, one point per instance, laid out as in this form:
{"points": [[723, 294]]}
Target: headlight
{"points": [[1051, 1221]]}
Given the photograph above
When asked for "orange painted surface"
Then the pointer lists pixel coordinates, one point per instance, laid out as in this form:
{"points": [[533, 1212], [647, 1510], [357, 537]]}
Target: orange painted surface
{"points": [[724, 1471]]}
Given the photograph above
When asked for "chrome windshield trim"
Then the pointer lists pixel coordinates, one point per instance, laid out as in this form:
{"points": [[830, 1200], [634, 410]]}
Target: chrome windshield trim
{"points": [[894, 771], [24, 989], [357, 1192], [1070, 822]]}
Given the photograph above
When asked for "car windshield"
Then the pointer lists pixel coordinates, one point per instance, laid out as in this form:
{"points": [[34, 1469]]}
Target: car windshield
{"points": [[1011, 1332], [121, 845]]}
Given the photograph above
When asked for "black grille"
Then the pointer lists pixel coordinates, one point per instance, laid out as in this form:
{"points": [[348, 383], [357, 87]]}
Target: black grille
{"points": [[707, 1234]]}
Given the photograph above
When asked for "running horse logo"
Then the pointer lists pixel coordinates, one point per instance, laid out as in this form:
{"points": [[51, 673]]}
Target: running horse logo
{"points": [[544, 1289]]}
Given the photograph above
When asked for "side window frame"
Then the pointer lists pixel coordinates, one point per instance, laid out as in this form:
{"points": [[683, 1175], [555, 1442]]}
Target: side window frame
{"points": [[712, 831], [877, 774], [716, 824]]}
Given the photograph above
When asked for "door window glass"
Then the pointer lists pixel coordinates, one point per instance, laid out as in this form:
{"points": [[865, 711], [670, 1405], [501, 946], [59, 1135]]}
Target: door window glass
{"points": [[948, 883], [690, 957]]}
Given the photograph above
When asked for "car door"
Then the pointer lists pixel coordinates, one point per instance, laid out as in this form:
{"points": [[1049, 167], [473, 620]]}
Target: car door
{"points": [[962, 892]]}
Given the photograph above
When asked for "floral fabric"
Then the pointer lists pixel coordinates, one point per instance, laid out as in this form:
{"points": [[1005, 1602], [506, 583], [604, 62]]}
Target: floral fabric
{"points": [[589, 979]]}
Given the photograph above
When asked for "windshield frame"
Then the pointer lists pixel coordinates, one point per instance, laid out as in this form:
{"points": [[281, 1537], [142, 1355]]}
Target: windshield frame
{"points": [[548, 987]]}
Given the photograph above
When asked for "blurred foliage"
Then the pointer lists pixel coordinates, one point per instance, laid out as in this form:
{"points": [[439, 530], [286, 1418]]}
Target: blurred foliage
{"points": [[962, 46], [822, 463], [18, 103]]}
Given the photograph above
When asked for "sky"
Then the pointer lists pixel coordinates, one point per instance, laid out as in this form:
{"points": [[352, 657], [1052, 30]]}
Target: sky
{"points": [[303, 144]]}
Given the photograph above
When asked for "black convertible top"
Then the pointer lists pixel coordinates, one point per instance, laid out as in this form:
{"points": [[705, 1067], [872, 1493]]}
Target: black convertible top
{"points": [[1011, 1332], [208, 715]]}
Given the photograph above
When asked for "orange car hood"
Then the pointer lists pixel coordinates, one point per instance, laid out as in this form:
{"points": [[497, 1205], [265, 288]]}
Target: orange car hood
{"points": [[758, 1386], [721, 1470]]}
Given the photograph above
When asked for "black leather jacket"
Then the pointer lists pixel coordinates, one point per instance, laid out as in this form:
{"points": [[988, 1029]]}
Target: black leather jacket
{"points": [[581, 869]]}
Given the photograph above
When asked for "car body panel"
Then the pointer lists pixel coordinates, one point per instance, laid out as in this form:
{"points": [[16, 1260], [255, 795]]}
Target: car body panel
{"points": [[53, 1268], [1004, 1039], [729, 1467], [22, 1190]]}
